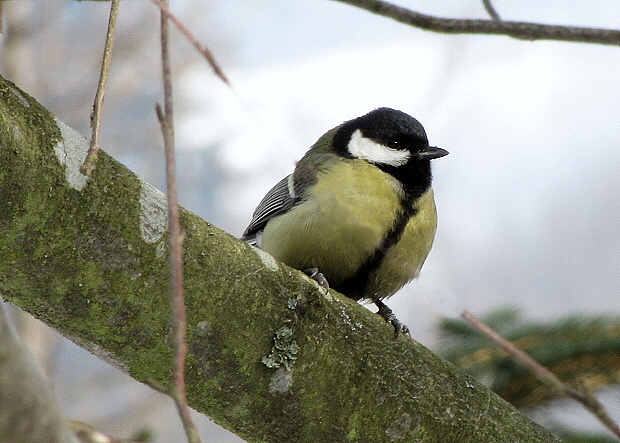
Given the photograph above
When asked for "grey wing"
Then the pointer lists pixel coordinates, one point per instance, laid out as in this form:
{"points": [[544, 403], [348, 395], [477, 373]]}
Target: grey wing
{"points": [[282, 197]]}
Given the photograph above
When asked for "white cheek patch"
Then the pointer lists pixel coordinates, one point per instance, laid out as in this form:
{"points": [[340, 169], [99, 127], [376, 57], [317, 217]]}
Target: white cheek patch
{"points": [[368, 149]]}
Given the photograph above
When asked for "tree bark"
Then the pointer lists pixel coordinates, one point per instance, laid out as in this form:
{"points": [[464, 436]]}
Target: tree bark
{"points": [[272, 356]]}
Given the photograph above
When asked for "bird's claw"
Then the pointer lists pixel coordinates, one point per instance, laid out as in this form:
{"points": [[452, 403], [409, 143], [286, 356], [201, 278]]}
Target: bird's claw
{"points": [[388, 315], [317, 276]]}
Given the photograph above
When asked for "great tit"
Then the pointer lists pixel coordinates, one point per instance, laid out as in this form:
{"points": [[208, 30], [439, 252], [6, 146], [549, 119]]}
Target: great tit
{"points": [[358, 212]]}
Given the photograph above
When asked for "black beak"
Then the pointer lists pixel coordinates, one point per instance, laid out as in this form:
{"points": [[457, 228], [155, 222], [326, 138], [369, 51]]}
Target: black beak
{"points": [[431, 152]]}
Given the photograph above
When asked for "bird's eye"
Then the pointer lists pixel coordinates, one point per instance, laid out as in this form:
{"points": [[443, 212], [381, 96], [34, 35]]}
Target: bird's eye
{"points": [[393, 143]]}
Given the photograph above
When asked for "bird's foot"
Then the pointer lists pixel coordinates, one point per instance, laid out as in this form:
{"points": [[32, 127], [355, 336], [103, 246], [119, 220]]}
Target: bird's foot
{"points": [[388, 315], [314, 274]]}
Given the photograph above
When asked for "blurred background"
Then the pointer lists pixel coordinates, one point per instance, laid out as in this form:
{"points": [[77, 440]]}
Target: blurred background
{"points": [[529, 213]]}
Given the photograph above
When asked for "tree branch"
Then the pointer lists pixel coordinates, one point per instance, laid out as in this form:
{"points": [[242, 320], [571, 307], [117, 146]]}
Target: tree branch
{"points": [[491, 9], [271, 355], [520, 30]]}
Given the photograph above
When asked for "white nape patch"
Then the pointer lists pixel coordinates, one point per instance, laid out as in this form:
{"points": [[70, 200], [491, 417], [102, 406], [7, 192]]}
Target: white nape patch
{"points": [[267, 259], [71, 152], [153, 213], [368, 149]]}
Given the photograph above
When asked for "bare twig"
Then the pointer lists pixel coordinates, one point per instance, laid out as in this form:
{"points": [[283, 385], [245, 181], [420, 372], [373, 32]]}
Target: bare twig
{"points": [[208, 55], [491, 9], [583, 396], [95, 118], [176, 244], [520, 30]]}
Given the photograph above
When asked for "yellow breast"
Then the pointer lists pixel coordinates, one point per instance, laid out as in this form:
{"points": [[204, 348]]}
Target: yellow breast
{"points": [[344, 220], [404, 260]]}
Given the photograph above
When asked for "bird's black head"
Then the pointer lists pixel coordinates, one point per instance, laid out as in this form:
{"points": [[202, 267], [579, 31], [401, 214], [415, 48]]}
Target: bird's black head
{"points": [[393, 141]]}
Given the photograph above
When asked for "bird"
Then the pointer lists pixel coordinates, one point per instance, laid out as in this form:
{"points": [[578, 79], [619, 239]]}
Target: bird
{"points": [[358, 213]]}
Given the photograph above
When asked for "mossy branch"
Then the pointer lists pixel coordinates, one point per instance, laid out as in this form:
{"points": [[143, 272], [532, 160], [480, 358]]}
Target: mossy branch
{"points": [[272, 357]]}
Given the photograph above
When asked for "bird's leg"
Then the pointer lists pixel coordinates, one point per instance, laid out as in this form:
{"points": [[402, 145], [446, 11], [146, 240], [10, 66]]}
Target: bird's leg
{"points": [[314, 274], [388, 315]]}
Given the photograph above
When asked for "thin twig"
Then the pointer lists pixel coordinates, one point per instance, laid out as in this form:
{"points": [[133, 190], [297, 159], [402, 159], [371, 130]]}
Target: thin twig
{"points": [[177, 302], [491, 9], [583, 396], [95, 118], [520, 30], [208, 55]]}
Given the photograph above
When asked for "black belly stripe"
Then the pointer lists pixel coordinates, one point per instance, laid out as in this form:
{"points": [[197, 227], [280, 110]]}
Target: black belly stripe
{"points": [[355, 286]]}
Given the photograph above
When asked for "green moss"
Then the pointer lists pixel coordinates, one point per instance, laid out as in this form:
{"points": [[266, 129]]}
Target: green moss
{"points": [[72, 253]]}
